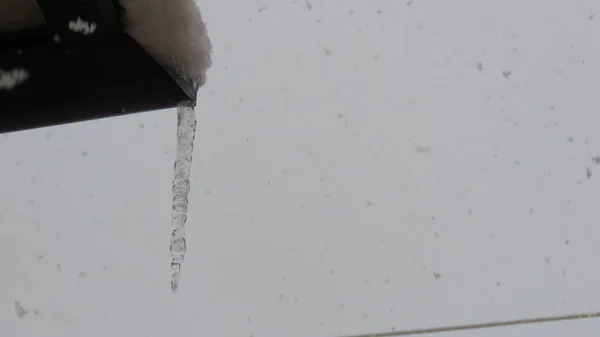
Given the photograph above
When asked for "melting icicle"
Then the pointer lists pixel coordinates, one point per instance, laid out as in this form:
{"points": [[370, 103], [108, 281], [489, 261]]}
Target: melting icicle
{"points": [[186, 130]]}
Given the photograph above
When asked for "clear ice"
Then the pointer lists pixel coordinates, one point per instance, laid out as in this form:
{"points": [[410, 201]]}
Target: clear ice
{"points": [[186, 130]]}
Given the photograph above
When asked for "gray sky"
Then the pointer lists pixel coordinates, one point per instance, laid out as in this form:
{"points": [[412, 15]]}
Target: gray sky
{"points": [[359, 166]]}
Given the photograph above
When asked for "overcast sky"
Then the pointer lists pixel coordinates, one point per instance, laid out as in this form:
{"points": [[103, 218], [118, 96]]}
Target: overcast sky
{"points": [[360, 166]]}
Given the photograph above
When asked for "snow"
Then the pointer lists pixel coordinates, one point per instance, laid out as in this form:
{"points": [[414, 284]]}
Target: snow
{"points": [[82, 26], [329, 189], [173, 31], [9, 79]]}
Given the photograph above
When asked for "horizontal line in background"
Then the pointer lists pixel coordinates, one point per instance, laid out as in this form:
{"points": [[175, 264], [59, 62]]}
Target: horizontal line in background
{"points": [[482, 325]]}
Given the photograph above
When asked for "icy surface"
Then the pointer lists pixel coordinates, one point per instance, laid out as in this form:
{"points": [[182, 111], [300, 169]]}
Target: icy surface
{"points": [[186, 130]]}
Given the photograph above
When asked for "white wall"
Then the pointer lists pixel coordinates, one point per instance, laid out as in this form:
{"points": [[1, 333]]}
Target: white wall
{"points": [[347, 152]]}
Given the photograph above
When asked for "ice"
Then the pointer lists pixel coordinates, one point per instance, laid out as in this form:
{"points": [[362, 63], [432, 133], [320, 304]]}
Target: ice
{"points": [[186, 130]]}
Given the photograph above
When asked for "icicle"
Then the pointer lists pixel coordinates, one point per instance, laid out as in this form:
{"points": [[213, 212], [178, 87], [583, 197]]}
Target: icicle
{"points": [[186, 130]]}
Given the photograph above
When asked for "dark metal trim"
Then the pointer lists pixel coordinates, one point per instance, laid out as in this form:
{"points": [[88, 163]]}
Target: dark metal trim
{"points": [[112, 76]]}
